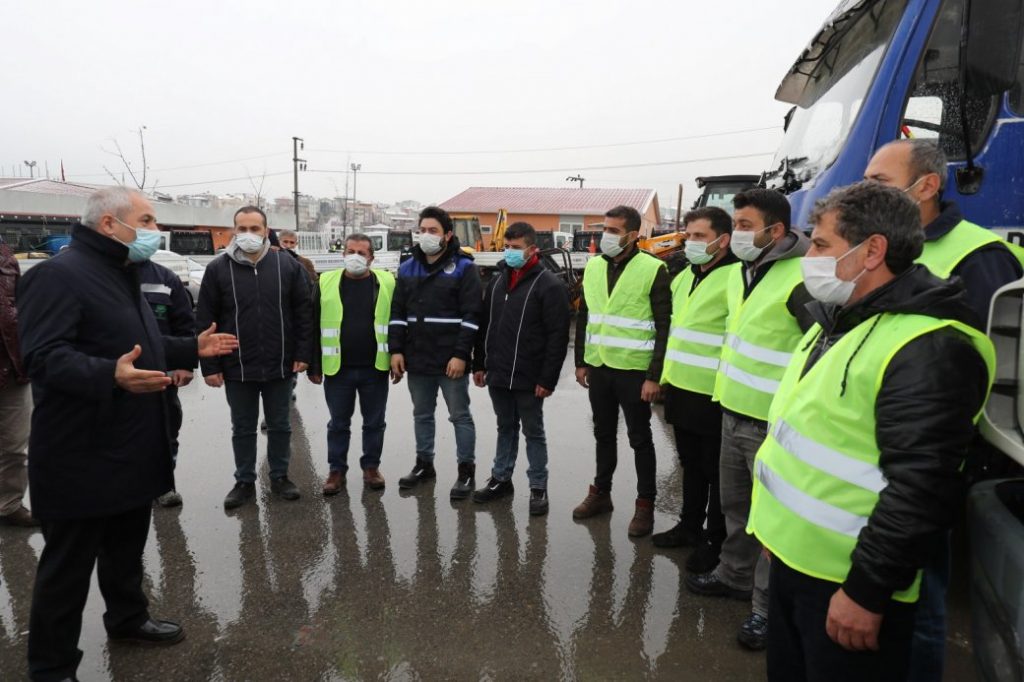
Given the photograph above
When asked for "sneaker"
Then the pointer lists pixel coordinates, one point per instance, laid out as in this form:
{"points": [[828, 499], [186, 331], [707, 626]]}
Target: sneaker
{"points": [[708, 585], [334, 483], [20, 517], [464, 483], [596, 502], [676, 536], [284, 488], [642, 522], [538, 502], [753, 633], [704, 559], [171, 498], [239, 495], [373, 480], [421, 472], [493, 490]]}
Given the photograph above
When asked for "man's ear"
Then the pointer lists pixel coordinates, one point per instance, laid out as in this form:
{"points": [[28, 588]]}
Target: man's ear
{"points": [[929, 187], [877, 247]]}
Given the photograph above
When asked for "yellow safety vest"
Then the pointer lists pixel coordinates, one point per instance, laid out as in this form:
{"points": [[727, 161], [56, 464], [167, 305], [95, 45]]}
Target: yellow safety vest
{"points": [[698, 330], [760, 339], [331, 313], [817, 476], [943, 255], [620, 327]]}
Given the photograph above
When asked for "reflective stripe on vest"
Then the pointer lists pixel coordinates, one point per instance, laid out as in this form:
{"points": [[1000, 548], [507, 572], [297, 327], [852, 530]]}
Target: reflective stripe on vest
{"points": [[761, 337], [620, 327], [331, 314], [817, 477], [697, 334], [943, 255]]}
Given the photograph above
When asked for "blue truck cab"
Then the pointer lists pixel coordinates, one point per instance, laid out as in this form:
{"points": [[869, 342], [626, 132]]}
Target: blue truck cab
{"points": [[953, 71]]}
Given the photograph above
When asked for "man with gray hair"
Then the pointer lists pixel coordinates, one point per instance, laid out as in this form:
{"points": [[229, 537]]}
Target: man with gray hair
{"points": [[100, 442], [861, 474]]}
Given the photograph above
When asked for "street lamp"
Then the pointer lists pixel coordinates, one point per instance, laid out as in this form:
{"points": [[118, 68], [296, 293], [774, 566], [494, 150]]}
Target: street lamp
{"points": [[356, 167], [297, 165], [31, 168]]}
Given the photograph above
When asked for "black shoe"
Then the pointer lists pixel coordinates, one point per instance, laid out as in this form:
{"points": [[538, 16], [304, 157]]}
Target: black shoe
{"points": [[152, 632], [538, 502], [705, 558], [421, 472], [493, 490], [284, 488], [753, 633], [465, 482], [676, 536], [709, 585], [239, 495]]}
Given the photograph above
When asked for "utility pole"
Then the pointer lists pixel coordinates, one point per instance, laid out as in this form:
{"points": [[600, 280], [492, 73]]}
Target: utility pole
{"points": [[576, 178], [31, 168], [356, 167], [679, 205], [297, 144]]}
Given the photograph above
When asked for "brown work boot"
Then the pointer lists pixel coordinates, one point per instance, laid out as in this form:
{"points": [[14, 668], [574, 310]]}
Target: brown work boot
{"points": [[20, 517], [596, 502], [335, 480], [372, 479], [643, 518]]}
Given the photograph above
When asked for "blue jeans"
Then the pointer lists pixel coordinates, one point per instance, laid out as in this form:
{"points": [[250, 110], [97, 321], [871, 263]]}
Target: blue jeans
{"points": [[371, 385], [512, 408], [423, 389], [244, 401], [928, 647]]}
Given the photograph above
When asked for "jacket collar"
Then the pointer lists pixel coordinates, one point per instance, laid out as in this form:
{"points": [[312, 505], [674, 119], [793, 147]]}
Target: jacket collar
{"points": [[944, 224], [89, 240]]}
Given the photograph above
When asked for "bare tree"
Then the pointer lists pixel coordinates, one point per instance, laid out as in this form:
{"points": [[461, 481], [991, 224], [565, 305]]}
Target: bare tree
{"points": [[257, 187], [139, 179]]}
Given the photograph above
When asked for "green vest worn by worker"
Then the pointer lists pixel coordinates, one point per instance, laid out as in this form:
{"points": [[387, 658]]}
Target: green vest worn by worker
{"points": [[817, 476], [331, 315], [943, 255], [698, 330], [620, 326], [761, 335]]}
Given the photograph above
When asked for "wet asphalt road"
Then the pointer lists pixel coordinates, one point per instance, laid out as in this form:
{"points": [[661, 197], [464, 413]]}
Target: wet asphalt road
{"points": [[385, 585]]}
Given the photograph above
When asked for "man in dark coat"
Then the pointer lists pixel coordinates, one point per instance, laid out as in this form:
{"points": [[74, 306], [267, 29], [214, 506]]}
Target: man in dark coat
{"points": [[172, 308], [263, 296], [15, 402], [100, 444], [520, 348]]}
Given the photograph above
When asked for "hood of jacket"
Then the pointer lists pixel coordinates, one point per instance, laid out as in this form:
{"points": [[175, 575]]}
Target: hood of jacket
{"points": [[916, 291], [793, 245], [236, 254]]}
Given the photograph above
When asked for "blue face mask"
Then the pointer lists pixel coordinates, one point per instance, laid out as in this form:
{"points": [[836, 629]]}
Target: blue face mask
{"points": [[515, 258], [145, 245]]}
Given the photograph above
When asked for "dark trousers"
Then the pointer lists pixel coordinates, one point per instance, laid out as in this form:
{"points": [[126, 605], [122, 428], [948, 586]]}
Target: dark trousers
{"points": [[114, 545], [244, 401], [928, 652], [371, 386], [800, 649], [698, 455], [610, 390], [515, 408]]}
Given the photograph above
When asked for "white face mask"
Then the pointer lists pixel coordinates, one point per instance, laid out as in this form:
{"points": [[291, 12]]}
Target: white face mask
{"points": [[822, 282], [610, 245], [742, 244], [249, 242], [697, 252], [356, 264], [430, 243]]}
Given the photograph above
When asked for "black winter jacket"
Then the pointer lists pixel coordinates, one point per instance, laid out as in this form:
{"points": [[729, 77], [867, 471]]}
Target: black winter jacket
{"points": [[524, 333], [168, 299], [96, 449], [267, 305], [930, 393], [435, 309]]}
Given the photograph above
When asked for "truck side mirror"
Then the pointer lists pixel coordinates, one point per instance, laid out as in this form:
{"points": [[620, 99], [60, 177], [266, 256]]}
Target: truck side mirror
{"points": [[995, 30]]}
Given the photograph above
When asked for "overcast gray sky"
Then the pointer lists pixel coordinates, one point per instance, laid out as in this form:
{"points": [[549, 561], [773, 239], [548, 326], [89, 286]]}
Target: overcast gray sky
{"points": [[389, 84]]}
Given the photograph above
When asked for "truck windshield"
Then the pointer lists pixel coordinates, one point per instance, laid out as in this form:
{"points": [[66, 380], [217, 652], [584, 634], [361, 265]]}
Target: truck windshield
{"points": [[835, 82]]}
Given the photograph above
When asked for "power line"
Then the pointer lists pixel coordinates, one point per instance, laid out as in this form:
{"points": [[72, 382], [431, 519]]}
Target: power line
{"points": [[210, 182], [189, 167], [547, 149], [559, 169]]}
